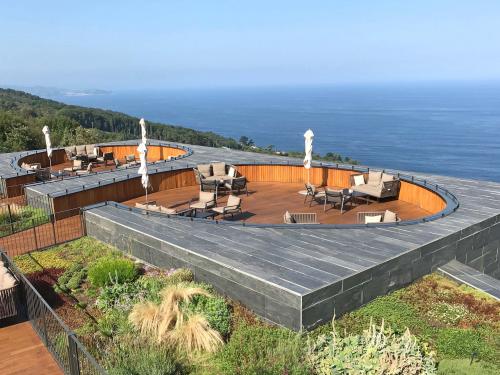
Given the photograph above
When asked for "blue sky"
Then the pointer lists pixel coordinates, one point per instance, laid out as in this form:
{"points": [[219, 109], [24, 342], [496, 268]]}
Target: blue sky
{"points": [[164, 44]]}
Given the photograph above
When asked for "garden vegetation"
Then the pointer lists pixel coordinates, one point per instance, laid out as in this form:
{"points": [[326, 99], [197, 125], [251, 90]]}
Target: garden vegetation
{"points": [[136, 319]]}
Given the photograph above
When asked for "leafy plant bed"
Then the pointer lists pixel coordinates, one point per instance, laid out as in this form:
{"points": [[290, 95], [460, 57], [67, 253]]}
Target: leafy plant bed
{"points": [[137, 319]]}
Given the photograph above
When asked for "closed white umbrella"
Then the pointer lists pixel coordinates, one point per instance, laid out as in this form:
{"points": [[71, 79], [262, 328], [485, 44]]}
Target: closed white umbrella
{"points": [[143, 156], [48, 143], [143, 129], [308, 136]]}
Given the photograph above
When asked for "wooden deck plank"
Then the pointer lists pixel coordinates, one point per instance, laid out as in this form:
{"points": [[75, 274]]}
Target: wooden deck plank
{"points": [[268, 202], [22, 352]]}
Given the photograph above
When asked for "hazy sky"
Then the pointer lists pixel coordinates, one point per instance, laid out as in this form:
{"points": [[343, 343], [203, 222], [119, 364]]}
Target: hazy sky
{"points": [[177, 43]]}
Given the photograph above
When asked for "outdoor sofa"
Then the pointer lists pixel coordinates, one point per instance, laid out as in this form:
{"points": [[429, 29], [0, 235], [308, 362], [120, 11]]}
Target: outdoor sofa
{"points": [[378, 185], [91, 152]]}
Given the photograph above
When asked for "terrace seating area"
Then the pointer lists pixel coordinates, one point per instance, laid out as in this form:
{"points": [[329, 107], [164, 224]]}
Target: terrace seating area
{"points": [[267, 203]]}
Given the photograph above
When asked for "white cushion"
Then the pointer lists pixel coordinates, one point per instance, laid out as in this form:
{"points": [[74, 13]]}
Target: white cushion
{"points": [[359, 180], [3, 271], [390, 217], [373, 219], [287, 218], [231, 172], [8, 281], [374, 178]]}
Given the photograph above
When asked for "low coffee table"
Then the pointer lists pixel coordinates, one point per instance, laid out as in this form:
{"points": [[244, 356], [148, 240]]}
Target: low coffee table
{"points": [[358, 196]]}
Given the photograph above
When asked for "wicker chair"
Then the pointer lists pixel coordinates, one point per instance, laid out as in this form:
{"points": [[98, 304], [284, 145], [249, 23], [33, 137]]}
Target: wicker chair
{"points": [[237, 184]]}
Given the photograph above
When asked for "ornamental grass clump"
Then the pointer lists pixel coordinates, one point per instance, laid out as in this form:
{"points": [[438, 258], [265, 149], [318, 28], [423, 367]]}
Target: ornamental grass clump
{"points": [[376, 351], [170, 322]]}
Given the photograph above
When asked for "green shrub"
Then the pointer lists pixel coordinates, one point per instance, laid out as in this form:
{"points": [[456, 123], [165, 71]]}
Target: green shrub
{"points": [[71, 279], [466, 367], [179, 276], [259, 350], [215, 310], [139, 358], [376, 351], [463, 343], [108, 270], [114, 322], [120, 296]]}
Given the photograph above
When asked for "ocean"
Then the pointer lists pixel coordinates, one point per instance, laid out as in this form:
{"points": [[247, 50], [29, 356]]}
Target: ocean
{"points": [[449, 129]]}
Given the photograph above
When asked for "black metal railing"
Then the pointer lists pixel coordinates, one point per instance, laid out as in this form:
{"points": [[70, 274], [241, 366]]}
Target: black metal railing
{"points": [[37, 233], [70, 354]]}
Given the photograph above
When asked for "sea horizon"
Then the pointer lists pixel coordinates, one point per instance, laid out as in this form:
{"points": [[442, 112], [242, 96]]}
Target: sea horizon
{"points": [[448, 128]]}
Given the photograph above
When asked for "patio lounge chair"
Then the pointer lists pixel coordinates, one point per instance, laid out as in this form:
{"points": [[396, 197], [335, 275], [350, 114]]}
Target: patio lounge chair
{"points": [[205, 201], [379, 185], [130, 160], [237, 184], [313, 192], [378, 217], [233, 206], [336, 197], [107, 156], [88, 170], [77, 165], [300, 218]]}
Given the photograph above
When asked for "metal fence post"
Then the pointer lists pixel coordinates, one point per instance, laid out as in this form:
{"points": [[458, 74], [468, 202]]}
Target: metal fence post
{"points": [[74, 363], [34, 232], [54, 227], [10, 219]]}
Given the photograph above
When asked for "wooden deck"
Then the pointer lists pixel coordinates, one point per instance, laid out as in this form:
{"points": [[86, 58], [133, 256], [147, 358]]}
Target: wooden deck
{"points": [[22, 352], [268, 201]]}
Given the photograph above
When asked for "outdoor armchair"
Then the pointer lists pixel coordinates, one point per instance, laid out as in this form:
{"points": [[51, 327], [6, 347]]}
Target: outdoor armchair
{"points": [[237, 184], [337, 197], [314, 194], [233, 206], [205, 201]]}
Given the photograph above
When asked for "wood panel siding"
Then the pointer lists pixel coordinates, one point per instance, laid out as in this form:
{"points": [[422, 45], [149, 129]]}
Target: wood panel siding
{"points": [[292, 173], [58, 157], [155, 153], [421, 197], [125, 190], [425, 200]]}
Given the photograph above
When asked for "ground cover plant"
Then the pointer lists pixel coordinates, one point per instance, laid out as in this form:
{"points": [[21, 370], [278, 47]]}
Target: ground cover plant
{"points": [[137, 319]]}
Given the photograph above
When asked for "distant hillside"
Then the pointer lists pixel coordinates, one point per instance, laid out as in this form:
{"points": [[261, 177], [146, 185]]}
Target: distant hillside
{"points": [[23, 115]]}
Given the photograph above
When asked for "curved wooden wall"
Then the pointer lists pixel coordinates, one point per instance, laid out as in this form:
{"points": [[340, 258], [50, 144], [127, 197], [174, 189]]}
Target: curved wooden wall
{"points": [[58, 157], [411, 193], [125, 190], [339, 178], [155, 153]]}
